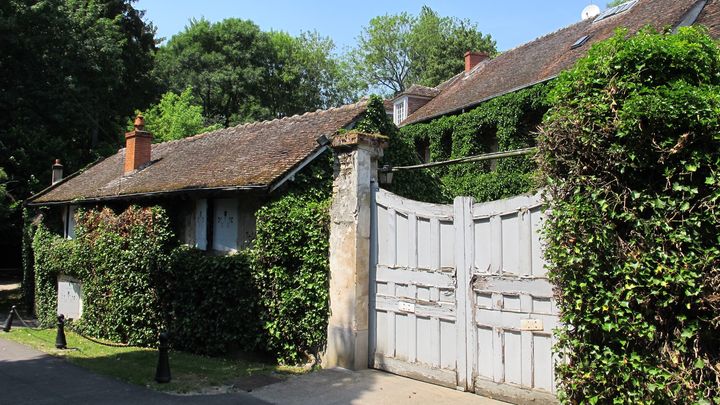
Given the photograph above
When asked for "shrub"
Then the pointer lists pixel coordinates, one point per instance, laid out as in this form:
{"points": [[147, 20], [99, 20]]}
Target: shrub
{"points": [[631, 156], [117, 257], [136, 284], [291, 269], [209, 302]]}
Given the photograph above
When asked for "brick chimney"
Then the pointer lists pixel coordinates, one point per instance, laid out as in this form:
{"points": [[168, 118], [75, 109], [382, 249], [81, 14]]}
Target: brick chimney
{"points": [[473, 58], [138, 144], [57, 171]]}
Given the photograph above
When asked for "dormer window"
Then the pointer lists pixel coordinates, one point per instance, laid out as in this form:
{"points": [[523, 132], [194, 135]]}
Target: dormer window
{"points": [[400, 110]]}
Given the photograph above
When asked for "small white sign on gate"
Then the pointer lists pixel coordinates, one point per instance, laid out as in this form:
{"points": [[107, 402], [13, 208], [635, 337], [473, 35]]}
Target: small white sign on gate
{"points": [[406, 306], [69, 297]]}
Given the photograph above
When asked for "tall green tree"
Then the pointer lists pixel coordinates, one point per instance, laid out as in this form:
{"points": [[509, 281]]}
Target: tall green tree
{"points": [[395, 51], [175, 116], [220, 62], [240, 73], [304, 75], [70, 72]]}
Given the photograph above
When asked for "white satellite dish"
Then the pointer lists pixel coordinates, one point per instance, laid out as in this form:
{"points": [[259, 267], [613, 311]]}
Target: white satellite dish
{"points": [[590, 12]]}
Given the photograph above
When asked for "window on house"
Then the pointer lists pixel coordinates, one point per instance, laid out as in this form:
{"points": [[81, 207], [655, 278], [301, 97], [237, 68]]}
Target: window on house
{"points": [[422, 148], [201, 224], [580, 42], [493, 146], [69, 221], [400, 111], [446, 144]]}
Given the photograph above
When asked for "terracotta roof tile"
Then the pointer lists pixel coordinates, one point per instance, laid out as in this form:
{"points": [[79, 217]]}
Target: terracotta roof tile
{"points": [[255, 154], [545, 57]]}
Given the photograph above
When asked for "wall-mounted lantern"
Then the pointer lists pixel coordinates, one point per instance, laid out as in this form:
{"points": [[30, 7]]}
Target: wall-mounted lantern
{"points": [[385, 174]]}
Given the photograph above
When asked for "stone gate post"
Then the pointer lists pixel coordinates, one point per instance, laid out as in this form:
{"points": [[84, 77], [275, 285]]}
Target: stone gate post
{"points": [[356, 156]]}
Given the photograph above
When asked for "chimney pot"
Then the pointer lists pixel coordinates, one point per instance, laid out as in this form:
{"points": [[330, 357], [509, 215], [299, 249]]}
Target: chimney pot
{"points": [[138, 146], [472, 59], [57, 171], [139, 123]]}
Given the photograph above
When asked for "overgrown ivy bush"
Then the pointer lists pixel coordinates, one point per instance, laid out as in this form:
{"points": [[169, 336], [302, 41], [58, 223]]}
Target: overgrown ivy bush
{"points": [[118, 258], [631, 155], [291, 266], [209, 303], [418, 184], [137, 282], [507, 122]]}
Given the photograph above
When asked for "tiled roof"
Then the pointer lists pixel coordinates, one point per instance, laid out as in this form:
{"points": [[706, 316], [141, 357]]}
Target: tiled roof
{"points": [[545, 57], [249, 155]]}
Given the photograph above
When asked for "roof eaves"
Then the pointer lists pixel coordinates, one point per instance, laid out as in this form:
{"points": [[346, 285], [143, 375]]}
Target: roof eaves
{"points": [[53, 186], [148, 194], [294, 170]]}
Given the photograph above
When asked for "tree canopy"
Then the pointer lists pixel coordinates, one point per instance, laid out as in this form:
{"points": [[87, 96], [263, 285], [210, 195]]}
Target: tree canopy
{"points": [[72, 71], [395, 51], [175, 116], [240, 73]]}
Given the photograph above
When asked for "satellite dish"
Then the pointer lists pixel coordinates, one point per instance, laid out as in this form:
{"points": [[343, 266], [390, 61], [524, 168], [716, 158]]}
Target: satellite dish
{"points": [[590, 12]]}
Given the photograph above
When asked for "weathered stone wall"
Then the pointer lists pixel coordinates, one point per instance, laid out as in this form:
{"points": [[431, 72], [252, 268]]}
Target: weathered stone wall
{"points": [[356, 158]]}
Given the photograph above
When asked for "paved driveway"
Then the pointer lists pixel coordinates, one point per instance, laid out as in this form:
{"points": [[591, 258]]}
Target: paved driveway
{"points": [[28, 376], [31, 377], [367, 387]]}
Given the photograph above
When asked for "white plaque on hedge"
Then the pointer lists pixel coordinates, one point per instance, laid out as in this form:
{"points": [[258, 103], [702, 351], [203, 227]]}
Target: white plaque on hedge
{"points": [[69, 297]]}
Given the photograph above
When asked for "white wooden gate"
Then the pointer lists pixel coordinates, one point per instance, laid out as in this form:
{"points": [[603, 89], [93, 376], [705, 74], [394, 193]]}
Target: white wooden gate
{"points": [[459, 295]]}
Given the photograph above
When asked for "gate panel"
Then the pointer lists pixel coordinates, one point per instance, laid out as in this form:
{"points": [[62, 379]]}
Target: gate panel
{"points": [[459, 295], [513, 310], [413, 285]]}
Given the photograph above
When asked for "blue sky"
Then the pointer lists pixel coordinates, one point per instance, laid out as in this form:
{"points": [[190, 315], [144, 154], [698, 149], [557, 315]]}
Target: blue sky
{"points": [[510, 22]]}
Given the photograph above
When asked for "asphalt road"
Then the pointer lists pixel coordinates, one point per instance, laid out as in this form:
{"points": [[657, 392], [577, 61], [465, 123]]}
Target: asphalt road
{"points": [[28, 376]]}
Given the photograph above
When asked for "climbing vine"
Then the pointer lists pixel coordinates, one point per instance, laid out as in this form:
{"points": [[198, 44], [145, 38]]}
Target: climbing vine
{"points": [[504, 123], [630, 156]]}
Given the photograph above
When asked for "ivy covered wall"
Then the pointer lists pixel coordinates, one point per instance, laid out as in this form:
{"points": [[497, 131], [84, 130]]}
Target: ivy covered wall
{"points": [[504, 123]]}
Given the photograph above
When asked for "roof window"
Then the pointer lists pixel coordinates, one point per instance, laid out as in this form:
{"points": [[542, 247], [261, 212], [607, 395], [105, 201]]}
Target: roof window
{"points": [[615, 10], [580, 42]]}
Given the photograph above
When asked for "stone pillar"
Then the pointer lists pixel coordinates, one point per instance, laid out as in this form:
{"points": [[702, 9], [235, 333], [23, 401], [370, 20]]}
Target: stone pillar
{"points": [[356, 156]]}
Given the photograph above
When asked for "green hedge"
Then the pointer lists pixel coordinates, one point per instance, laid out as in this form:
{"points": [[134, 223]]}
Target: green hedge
{"points": [[291, 270], [631, 156], [136, 283], [209, 303]]}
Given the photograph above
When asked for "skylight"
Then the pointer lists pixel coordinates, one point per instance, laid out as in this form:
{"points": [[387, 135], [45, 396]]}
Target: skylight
{"points": [[615, 10], [580, 42]]}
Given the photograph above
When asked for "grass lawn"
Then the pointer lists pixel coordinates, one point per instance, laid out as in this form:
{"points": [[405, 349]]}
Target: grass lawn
{"points": [[190, 373]]}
